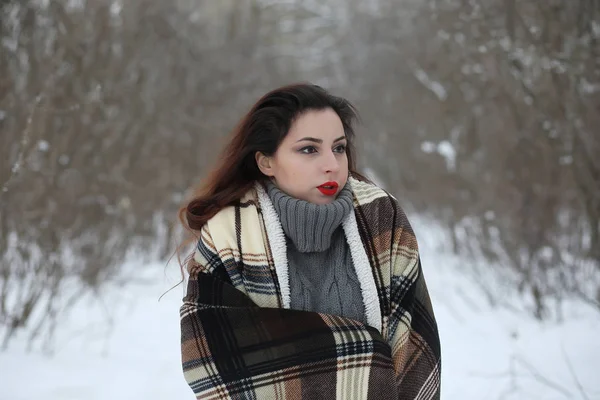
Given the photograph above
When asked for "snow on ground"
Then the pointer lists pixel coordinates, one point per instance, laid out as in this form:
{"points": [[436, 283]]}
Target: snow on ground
{"points": [[126, 346], [491, 353]]}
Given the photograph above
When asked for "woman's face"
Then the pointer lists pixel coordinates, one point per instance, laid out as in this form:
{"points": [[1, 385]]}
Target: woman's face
{"points": [[311, 162]]}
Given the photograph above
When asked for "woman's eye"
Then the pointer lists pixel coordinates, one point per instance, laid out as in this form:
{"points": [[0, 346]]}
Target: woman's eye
{"points": [[308, 150], [340, 149]]}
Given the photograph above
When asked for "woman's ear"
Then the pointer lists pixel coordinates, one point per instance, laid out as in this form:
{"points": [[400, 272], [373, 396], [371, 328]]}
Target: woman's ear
{"points": [[264, 163]]}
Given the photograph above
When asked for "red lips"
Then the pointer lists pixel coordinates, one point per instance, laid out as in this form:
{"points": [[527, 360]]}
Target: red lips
{"points": [[329, 188]]}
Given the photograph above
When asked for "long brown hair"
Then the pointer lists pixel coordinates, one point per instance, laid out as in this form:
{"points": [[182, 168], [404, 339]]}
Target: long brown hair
{"points": [[262, 129]]}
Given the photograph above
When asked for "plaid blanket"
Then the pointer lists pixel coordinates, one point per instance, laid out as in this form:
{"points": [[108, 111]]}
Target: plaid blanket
{"points": [[240, 340]]}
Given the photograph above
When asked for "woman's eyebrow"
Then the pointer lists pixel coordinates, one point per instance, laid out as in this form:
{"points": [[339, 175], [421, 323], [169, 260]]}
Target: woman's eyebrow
{"points": [[312, 139]]}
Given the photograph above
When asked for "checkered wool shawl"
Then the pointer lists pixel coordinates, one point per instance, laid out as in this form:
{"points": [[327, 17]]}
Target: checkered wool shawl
{"points": [[240, 340]]}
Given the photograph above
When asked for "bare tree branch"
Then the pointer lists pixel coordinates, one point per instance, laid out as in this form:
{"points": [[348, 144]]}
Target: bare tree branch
{"points": [[24, 143], [573, 374]]}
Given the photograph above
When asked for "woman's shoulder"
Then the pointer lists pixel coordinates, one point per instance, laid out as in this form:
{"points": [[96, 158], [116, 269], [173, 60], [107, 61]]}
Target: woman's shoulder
{"points": [[368, 192], [225, 218], [232, 228], [378, 206]]}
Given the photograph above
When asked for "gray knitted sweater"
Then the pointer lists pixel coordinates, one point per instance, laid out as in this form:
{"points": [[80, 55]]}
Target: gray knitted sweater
{"points": [[322, 275]]}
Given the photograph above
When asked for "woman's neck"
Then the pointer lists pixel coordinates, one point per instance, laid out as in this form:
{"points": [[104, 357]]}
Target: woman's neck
{"points": [[310, 226]]}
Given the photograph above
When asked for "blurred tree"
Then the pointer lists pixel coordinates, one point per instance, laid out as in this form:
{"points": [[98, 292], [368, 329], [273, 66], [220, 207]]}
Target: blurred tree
{"points": [[485, 115]]}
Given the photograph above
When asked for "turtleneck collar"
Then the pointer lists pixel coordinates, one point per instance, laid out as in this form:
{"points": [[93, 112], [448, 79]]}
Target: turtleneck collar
{"points": [[310, 226]]}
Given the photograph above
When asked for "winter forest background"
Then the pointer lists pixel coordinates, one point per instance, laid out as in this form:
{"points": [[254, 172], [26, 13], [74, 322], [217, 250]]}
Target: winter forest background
{"points": [[481, 116]]}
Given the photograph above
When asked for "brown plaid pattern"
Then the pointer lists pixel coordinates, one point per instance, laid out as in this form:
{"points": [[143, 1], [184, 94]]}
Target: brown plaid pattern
{"points": [[239, 342]]}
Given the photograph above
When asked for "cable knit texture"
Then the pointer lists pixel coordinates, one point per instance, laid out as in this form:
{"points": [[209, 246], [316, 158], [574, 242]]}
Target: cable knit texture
{"points": [[322, 275]]}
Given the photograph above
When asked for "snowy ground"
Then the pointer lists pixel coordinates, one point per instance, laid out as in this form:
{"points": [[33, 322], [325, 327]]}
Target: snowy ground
{"points": [[134, 353]]}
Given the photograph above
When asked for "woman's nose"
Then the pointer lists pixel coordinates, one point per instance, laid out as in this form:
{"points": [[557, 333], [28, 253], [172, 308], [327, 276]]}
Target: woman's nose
{"points": [[331, 163]]}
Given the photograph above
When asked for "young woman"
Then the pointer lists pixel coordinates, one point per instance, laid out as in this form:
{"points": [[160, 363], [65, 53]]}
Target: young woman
{"points": [[306, 281]]}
